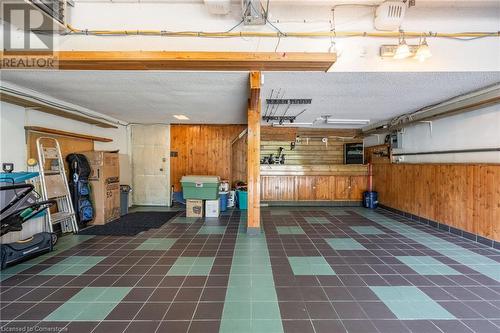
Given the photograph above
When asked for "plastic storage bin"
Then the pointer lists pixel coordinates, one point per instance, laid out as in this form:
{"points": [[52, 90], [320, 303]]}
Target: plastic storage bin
{"points": [[223, 196], [370, 199], [242, 199], [200, 187]]}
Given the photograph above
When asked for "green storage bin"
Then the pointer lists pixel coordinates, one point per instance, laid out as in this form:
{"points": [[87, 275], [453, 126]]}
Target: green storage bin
{"points": [[200, 187]]}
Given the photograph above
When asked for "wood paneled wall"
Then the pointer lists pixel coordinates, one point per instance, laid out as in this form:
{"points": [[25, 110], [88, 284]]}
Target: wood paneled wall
{"points": [[310, 150], [464, 196], [239, 160], [201, 150], [68, 144]]}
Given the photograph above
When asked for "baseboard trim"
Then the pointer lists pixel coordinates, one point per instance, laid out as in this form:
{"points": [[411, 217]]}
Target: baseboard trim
{"points": [[444, 227]]}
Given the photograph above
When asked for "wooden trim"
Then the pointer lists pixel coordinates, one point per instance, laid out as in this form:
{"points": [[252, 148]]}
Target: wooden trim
{"points": [[64, 133], [166, 60], [52, 110], [253, 152], [314, 170]]}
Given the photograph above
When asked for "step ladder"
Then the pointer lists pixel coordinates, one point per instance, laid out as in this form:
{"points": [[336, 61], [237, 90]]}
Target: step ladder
{"points": [[54, 185]]}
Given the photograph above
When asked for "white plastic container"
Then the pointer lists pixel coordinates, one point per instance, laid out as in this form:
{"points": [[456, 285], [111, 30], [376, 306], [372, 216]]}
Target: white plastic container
{"points": [[212, 208]]}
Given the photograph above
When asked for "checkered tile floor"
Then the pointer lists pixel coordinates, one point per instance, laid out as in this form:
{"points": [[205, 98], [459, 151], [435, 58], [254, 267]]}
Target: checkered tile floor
{"points": [[315, 269]]}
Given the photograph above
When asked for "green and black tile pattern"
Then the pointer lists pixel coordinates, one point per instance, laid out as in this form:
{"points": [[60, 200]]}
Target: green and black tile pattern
{"points": [[314, 269]]}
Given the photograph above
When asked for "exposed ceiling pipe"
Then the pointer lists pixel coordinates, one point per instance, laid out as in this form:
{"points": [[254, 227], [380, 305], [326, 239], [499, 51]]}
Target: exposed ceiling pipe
{"points": [[456, 105]]}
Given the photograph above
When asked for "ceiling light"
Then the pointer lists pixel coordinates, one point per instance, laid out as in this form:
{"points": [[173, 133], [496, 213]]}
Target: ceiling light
{"points": [[181, 117], [423, 52], [347, 121], [291, 124], [403, 50]]}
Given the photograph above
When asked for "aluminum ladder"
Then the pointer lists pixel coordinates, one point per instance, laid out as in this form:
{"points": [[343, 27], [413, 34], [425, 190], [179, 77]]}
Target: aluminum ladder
{"points": [[54, 185]]}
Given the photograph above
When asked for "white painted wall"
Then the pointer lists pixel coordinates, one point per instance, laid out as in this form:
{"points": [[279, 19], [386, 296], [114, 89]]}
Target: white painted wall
{"points": [[355, 54], [13, 142], [12, 138], [476, 129]]}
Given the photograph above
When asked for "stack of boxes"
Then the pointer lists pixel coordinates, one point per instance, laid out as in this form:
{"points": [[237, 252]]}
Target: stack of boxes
{"points": [[202, 195], [105, 185]]}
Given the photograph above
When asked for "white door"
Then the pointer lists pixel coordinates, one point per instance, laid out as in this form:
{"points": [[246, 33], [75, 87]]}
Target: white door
{"points": [[151, 165]]}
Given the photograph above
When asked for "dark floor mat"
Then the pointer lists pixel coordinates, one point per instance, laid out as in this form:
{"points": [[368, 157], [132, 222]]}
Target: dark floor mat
{"points": [[131, 224]]}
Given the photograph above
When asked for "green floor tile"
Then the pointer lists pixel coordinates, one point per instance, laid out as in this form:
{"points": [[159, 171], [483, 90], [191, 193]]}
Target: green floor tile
{"points": [[317, 220], [344, 244], [158, 244], [236, 325], [95, 312], [237, 310], [310, 266], [212, 230], [191, 266], [89, 304], [267, 325], [75, 265], [265, 310], [66, 312], [290, 230], [410, 303], [367, 230], [425, 265]]}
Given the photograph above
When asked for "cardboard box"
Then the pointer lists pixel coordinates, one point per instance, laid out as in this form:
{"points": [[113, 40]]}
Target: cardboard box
{"points": [[212, 208], [104, 180], [194, 208]]}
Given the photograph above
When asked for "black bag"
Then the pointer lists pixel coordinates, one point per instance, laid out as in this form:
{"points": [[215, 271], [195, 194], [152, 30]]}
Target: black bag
{"points": [[25, 249], [79, 172]]}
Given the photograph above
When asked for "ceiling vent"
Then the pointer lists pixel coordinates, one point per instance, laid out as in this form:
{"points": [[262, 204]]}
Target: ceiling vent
{"points": [[389, 15], [218, 7]]}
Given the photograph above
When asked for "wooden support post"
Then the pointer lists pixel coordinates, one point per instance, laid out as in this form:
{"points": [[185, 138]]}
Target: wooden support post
{"points": [[253, 157]]}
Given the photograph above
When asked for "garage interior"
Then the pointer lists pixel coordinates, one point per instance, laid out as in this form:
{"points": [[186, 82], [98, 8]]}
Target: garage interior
{"points": [[250, 166]]}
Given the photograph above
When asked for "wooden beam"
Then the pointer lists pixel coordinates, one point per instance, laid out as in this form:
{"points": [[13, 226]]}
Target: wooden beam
{"points": [[166, 60], [253, 157], [38, 106], [64, 133]]}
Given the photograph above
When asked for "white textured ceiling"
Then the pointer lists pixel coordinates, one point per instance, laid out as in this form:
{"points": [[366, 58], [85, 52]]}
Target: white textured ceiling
{"points": [[221, 97]]}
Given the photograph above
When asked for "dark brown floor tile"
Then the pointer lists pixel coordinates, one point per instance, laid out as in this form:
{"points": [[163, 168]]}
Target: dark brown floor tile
{"points": [[212, 310], [348, 310], [111, 327], [173, 326], [39, 311], [14, 310], [298, 326], [142, 326], [181, 311], [172, 281], [390, 326], [313, 294], [454, 326], [328, 326], [163, 295], [483, 326], [152, 311], [188, 295], [359, 326], [320, 310], [293, 310], [150, 281], [138, 295], [81, 326], [124, 311], [213, 295], [204, 327]]}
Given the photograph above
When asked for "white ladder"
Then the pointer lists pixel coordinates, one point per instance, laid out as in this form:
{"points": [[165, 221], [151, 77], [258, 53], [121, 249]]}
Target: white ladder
{"points": [[54, 185]]}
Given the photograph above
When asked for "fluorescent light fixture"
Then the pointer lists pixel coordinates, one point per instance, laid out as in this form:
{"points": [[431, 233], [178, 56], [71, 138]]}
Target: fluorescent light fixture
{"points": [[180, 117], [423, 52], [291, 124], [348, 121]]}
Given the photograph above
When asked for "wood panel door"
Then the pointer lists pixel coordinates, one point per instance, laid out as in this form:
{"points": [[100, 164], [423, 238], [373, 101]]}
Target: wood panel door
{"points": [[306, 188], [357, 187], [325, 188], [150, 165], [342, 190], [278, 188]]}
